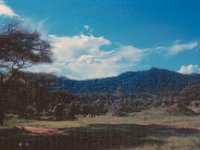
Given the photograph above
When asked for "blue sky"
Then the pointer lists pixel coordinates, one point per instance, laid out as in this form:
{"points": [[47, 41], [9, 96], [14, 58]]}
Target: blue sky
{"points": [[100, 38]]}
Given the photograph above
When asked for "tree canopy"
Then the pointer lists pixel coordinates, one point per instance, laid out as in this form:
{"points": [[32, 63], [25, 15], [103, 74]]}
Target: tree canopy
{"points": [[21, 48]]}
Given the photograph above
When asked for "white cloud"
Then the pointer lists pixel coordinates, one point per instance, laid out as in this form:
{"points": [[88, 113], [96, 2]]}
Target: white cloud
{"points": [[82, 57], [177, 47], [86, 27], [71, 48], [6, 10], [189, 69]]}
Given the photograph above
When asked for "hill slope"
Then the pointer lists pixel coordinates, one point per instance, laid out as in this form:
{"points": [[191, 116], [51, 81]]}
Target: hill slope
{"points": [[151, 81]]}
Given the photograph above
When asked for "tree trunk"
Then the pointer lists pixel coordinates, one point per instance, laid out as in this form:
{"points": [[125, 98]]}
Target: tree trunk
{"points": [[1, 116], [1, 105], [3, 98], [4, 86]]}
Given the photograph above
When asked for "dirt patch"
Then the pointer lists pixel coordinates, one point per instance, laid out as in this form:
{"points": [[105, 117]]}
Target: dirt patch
{"points": [[42, 131]]}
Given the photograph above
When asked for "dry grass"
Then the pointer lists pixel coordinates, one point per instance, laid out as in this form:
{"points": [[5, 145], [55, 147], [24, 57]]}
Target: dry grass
{"points": [[152, 129], [151, 116]]}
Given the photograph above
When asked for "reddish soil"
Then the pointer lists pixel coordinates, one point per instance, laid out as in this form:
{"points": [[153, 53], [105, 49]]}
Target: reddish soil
{"points": [[189, 127], [42, 131]]}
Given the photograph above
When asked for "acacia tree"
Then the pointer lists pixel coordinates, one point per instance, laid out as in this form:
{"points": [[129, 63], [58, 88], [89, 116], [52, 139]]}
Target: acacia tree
{"points": [[19, 49]]}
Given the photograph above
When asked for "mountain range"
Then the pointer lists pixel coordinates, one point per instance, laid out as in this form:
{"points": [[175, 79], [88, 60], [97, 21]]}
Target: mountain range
{"points": [[150, 81]]}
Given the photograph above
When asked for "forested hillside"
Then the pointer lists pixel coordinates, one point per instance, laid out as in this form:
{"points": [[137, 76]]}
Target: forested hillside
{"points": [[150, 81]]}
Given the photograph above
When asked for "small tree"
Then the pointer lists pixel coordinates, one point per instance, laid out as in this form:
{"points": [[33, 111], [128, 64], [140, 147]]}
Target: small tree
{"points": [[19, 49], [119, 92], [72, 111]]}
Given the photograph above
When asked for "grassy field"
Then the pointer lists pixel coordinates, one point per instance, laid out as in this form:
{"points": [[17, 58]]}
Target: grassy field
{"points": [[151, 129]]}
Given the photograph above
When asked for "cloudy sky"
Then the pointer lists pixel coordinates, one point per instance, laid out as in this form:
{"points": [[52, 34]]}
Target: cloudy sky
{"points": [[100, 38]]}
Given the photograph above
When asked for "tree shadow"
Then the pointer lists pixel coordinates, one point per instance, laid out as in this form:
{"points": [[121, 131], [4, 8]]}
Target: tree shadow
{"points": [[99, 137]]}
